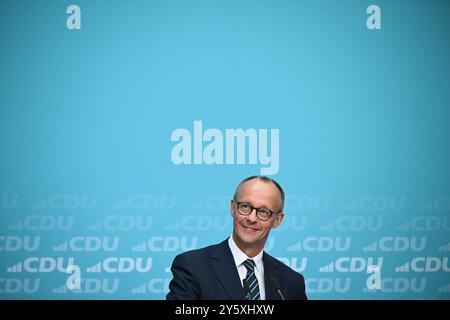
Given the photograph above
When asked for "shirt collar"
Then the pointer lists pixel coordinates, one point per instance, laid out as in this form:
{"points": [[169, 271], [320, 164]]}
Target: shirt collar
{"points": [[240, 257]]}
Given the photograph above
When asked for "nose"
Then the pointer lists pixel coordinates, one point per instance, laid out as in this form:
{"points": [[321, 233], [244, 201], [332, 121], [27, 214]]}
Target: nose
{"points": [[252, 216]]}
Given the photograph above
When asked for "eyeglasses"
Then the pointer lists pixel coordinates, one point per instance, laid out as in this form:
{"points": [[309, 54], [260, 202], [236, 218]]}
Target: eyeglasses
{"points": [[246, 209]]}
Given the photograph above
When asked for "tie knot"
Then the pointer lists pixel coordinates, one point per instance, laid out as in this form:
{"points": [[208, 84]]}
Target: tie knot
{"points": [[249, 264]]}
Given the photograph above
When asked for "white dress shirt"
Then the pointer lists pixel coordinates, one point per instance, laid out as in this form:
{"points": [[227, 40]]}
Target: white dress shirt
{"points": [[240, 257]]}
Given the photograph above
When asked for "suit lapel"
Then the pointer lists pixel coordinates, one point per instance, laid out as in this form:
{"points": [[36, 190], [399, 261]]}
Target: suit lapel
{"points": [[223, 264], [269, 270]]}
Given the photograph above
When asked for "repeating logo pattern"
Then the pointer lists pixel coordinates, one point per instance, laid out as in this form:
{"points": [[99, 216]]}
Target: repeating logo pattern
{"points": [[124, 255]]}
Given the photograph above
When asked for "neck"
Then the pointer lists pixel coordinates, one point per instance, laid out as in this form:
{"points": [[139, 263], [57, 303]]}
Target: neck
{"points": [[250, 250]]}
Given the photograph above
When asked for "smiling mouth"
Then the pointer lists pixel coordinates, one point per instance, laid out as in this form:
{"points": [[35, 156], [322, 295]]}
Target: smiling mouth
{"points": [[250, 228]]}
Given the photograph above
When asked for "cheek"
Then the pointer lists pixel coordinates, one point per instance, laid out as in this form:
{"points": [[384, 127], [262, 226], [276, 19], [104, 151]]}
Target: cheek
{"points": [[266, 228], [237, 220]]}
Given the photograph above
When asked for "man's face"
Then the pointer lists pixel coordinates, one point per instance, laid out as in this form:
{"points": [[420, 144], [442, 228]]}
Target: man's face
{"points": [[249, 230]]}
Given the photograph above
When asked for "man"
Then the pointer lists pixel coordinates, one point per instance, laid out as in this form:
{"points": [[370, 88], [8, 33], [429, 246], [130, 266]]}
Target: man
{"points": [[238, 268]]}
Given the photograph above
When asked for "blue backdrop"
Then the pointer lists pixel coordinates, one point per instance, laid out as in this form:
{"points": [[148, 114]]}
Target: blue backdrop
{"points": [[87, 173]]}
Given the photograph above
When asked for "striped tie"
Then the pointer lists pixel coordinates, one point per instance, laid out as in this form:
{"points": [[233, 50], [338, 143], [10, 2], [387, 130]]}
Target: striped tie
{"points": [[251, 280]]}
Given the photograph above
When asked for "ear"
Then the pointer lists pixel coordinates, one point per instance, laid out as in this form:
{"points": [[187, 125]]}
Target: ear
{"points": [[278, 218], [232, 207]]}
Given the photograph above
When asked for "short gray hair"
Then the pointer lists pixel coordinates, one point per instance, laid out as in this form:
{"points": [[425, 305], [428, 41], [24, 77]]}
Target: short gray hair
{"points": [[264, 179]]}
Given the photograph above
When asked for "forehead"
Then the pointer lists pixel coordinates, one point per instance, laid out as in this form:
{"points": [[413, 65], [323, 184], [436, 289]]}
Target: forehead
{"points": [[260, 193]]}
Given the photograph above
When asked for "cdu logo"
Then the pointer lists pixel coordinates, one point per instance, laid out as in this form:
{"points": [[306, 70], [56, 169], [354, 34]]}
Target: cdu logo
{"points": [[122, 223], [351, 264], [328, 285], [16, 285], [44, 223], [397, 244], [15, 243], [89, 244], [322, 244], [122, 265], [42, 264], [166, 244]]}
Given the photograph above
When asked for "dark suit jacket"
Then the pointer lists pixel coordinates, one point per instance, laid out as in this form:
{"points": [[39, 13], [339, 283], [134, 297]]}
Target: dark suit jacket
{"points": [[211, 274]]}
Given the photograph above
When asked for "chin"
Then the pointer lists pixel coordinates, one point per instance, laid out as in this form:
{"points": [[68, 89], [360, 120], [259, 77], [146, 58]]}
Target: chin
{"points": [[255, 240]]}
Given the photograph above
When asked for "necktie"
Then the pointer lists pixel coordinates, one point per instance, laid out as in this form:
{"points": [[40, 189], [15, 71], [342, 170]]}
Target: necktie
{"points": [[251, 280]]}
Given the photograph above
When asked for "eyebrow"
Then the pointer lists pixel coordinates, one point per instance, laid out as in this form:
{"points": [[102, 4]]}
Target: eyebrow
{"points": [[261, 207]]}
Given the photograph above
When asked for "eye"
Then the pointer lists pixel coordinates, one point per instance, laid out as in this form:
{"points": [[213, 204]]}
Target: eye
{"points": [[245, 206], [265, 213]]}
